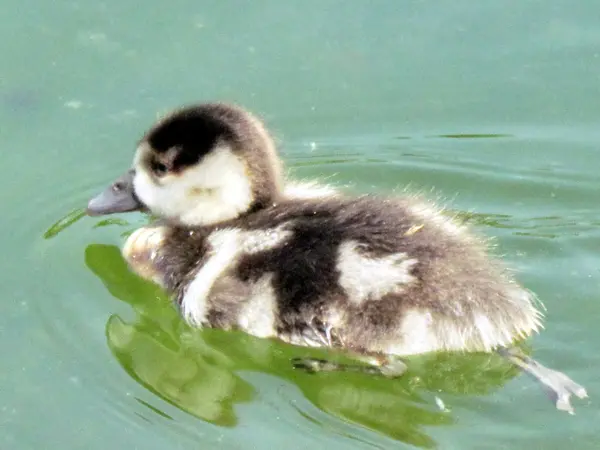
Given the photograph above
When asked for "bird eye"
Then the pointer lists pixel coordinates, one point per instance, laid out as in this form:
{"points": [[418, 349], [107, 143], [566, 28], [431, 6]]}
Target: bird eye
{"points": [[159, 169], [118, 186]]}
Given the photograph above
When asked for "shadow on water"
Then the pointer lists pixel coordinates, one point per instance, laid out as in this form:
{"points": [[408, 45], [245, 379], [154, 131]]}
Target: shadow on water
{"points": [[198, 371]]}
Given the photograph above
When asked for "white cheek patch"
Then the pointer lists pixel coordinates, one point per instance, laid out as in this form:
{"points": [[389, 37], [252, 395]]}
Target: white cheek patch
{"points": [[214, 190], [227, 246], [364, 277]]}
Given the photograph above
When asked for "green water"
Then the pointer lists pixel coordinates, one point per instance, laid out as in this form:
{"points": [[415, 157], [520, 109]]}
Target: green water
{"points": [[493, 106]]}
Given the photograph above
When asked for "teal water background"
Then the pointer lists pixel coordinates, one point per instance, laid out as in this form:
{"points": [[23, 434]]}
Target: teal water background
{"points": [[491, 106]]}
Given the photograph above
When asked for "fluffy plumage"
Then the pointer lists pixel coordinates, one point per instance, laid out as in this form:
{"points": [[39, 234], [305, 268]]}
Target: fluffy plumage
{"points": [[374, 275], [350, 265]]}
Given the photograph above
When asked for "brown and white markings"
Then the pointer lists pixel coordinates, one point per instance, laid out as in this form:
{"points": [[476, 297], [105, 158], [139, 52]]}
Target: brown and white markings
{"points": [[378, 277]]}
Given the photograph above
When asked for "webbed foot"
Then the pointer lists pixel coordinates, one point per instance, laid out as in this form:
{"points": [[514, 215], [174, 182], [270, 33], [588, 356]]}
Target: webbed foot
{"points": [[558, 386]]}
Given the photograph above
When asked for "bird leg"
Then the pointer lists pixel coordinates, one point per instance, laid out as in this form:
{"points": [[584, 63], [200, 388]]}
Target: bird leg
{"points": [[321, 334], [387, 365], [557, 385]]}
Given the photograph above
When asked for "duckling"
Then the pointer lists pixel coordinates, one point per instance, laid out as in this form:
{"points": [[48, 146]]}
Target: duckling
{"points": [[380, 277]]}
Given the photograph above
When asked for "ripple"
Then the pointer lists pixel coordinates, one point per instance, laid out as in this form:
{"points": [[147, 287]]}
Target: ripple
{"points": [[66, 306], [474, 136], [56, 208], [64, 222], [577, 223], [96, 313]]}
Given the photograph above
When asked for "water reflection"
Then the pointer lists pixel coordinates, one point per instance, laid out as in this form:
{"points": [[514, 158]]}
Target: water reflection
{"points": [[197, 371]]}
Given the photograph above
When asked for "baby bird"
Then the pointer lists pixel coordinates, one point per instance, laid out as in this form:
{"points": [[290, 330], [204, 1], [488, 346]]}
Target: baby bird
{"points": [[379, 277]]}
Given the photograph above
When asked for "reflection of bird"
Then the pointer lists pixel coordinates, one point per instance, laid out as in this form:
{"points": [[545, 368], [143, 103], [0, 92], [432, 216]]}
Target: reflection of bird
{"points": [[204, 373], [189, 372], [376, 276]]}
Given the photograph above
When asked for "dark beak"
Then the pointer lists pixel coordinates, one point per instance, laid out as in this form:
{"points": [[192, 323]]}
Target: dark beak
{"points": [[116, 198]]}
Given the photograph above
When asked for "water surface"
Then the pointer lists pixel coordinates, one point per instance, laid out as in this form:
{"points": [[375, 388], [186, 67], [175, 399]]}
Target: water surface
{"points": [[490, 107]]}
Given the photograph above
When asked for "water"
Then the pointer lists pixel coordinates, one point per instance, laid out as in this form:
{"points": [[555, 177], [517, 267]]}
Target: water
{"points": [[492, 107]]}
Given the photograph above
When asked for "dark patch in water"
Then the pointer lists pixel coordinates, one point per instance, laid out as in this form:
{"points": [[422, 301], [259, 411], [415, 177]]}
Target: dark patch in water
{"points": [[473, 136], [19, 100]]}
